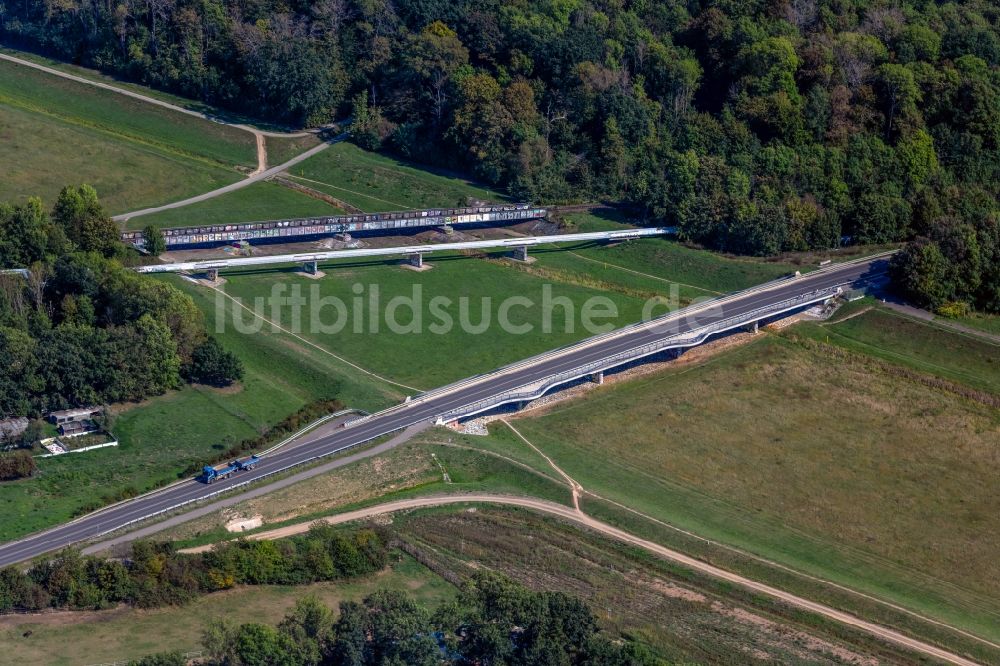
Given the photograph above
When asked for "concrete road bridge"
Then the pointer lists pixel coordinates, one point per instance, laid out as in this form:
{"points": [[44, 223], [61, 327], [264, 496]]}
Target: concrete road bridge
{"points": [[414, 253]]}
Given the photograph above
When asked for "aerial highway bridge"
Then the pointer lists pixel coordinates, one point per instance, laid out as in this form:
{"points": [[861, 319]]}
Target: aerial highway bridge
{"points": [[309, 260], [517, 382]]}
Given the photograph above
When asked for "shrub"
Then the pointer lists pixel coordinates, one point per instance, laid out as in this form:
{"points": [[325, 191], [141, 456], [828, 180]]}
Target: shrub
{"points": [[16, 465]]}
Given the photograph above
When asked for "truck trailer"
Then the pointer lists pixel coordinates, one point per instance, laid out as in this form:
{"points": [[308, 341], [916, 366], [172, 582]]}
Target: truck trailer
{"points": [[210, 474]]}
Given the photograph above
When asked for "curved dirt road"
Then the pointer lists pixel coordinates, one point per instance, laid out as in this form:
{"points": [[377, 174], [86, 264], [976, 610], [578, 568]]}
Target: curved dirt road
{"points": [[580, 518]]}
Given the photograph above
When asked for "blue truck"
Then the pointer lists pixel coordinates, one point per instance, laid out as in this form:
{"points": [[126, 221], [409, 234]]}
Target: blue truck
{"points": [[211, 474]]}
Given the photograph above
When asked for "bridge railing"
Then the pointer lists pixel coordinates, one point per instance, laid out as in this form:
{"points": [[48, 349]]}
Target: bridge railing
{"points": [[691, 338]]}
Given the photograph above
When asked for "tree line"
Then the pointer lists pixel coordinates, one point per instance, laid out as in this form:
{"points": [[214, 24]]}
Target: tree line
{"points": [[82, 329], [155, 574], [492, 621]]}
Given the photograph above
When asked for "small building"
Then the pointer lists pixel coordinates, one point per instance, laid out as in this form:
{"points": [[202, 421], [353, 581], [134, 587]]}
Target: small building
{"points": [[74, 428], [70, 415]]}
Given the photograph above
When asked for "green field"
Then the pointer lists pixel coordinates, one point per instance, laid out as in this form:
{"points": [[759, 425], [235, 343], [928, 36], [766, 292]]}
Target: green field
{"points": [[282, 149], [929, 348], [100, 77], [259, 201], [69, 638], [58, 132], [130, 118], [427, 359], [870, 480], [39, 155], [376, 182]]}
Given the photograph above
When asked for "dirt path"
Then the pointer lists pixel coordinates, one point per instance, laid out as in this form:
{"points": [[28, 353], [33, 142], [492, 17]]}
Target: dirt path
{"points": [[574, 487], [576, 516], [250, 180], [261, 154]]}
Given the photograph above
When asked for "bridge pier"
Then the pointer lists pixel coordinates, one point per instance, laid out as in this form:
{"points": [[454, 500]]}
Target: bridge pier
{"points": [[752, 328], [212, 274], [520, 253], [310, 269], [597, 378], [415, 262]]}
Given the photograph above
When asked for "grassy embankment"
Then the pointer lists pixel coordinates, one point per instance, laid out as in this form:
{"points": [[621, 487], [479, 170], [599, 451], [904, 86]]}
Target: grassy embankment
{"points": [[58, 132], [369, 181], [257, 201], [376, 182]]}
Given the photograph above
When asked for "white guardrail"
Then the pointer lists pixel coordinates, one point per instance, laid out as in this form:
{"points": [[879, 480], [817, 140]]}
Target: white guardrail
{"points": [[536, 389]]}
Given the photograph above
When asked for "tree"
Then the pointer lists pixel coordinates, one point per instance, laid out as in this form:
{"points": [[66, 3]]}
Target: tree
{"points": [[16, 465], [213, 365], [79, 213], [918, 273], [901, 94], [152, 239], [432, 57]]}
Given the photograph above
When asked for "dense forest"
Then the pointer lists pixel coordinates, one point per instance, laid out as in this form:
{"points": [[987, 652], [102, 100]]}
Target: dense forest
{"points": [[78, 328], [757, 127]]}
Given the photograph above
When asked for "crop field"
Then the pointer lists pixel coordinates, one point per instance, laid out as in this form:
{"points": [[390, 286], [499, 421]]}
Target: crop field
{"points": [[870, 480], [58, 132], [70, 638], [885, 334], [259, 201], [683, 619], [376, 182]]}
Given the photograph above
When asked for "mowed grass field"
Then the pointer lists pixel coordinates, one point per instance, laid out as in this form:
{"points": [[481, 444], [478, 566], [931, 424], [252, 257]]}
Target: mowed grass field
{"points": [[787, 451], [258, 201], [375, 182], [57, 132], [708, 272], [422, 356], [71, 638]]}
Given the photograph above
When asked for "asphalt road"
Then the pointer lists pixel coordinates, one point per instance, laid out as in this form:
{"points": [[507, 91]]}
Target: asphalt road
{"points": [[126, 513]]}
